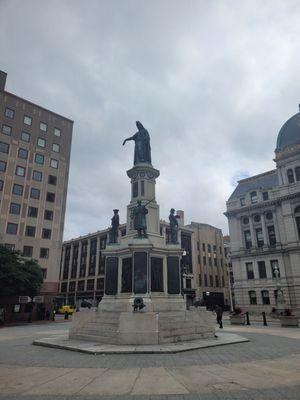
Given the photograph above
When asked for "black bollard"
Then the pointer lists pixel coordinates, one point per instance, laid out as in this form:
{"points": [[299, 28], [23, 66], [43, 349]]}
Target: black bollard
{"points": [[264, 318], [247, 318]]}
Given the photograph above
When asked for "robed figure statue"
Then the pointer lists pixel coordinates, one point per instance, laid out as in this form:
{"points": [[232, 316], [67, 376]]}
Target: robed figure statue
{"points": [[113, 233], [142, 149], [173, 226], [138, 215]]}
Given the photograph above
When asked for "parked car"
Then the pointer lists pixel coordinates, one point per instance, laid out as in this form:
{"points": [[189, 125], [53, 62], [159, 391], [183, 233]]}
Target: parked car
{"points": [[67, 308]]}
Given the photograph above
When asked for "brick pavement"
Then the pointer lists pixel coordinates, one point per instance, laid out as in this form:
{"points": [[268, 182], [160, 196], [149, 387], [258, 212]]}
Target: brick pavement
{"points": [[267, 367]]}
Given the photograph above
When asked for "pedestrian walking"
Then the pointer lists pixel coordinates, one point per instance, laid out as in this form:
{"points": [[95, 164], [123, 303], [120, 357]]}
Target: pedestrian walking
{"points": [[219, 312]]}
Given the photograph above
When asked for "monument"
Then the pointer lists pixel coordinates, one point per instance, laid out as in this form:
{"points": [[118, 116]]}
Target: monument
{"points": [[142, 303]]}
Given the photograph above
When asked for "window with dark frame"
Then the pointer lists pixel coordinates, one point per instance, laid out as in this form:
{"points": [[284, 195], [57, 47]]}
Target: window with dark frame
{"points": [[20, 171], [9, 113], [30, 231], [43, 126], [41, 142], [2, 166], [37, 176], [90, 284], [25, 136], [272, 235], [211, 281], [275, 266], [27, 251], [52, 180], [252, 297], [11, 228], [46, 233], [253, 197], [1, 184], [80, 286], [17, 189], [15, 208], [265, 196], [248, 241], [262, 273], [27, 120], [265, 297], [4, 147], [34, 193], [23, 153], [39, 158], [44, 252], [54, 163], [249, 270], [48, 215], [32, 212], [290, 176], [6, 129], [259, 237], [50, 197]]}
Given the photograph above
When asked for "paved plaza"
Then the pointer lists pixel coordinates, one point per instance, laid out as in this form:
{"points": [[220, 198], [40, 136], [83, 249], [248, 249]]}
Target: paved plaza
{"points": [[266, 367]]}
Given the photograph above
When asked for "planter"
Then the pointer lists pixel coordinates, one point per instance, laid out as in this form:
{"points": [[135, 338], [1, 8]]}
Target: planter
{"points": [[238, 319], [291, 320]]}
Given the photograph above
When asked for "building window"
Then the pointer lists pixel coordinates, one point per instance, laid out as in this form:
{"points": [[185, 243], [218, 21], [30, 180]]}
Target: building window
{"points": [[2, 166], [259, 237], [4, 147], [217, 281], [44, 272], [10, 246], [1, 185], [23, 153], [297, 173], [203, 246], [242, 201], [265, 297], [30, 231], [37, 176], [248, 241], [275, 266], [72, 286], [57, 132], [215, 262], [211, 281], [27, 251], [34, 193], [100, 283], [265, 196], [205, 280], [15, 208], [25, 137], [269, 216], [90, 285], [6, 129], [50, 197], [27, 120], [245, 220], [262, 270], [48, 215], [209, 248], [204, 260], [199, 259], [20, 171], [46, 233], [80, 286], [272, 236], [43, 126], [223, 281], [32, 212], [17, 189], [39, 158], [41, 142], [256, 218], [297, 218], [44, 252], [9, 113], [209, 261], [11, 228], [252, 297], [290, 176], [52, 180], [63, 287], [200, 280], [55, 147], [54, 163], [253, 196], [249, 270]]}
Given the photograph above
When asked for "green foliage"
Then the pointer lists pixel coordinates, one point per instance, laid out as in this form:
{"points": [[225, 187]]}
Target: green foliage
{"points": [[17, 275]]}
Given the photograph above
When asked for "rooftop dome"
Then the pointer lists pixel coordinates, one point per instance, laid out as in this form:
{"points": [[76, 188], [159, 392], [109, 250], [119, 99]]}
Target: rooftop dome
{"points": [[289, 133]]}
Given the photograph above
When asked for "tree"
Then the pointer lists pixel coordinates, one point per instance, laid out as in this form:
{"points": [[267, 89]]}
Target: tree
{"points": [[18, 276]]}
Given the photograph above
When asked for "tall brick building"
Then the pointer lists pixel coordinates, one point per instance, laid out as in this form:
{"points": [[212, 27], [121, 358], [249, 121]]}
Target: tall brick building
{"points": [[35, 146]]}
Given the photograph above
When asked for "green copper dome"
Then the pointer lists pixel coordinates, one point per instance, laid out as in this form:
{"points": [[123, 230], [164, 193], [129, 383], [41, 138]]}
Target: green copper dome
{"points": [[289, 134]]}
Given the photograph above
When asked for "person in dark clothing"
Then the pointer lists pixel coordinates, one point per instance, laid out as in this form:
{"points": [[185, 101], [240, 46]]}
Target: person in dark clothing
{"points": [[219, 312]]}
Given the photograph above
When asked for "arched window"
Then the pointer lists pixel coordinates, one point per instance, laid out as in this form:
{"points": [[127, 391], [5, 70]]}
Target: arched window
{"points": [[297, 172], [297, 219], [290, 176]]}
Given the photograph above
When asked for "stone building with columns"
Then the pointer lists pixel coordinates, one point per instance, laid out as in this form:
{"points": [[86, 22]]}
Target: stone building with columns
{"points": [[264, 223]]}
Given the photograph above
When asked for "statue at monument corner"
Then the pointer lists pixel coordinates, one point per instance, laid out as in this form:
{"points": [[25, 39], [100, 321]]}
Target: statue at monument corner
{"points": [[138, 215], [115, 222], [173, 226], [142, 149]]}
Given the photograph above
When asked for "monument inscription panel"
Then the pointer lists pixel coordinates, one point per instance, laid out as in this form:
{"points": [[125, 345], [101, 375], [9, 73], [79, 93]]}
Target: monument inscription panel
{"points": [[140, 272], [173, 275], [157, 280], [126, 275], [111, 276]]}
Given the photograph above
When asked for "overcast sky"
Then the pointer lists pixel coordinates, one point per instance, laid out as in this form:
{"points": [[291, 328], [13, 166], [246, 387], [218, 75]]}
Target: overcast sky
{"points": [[212, 81]]}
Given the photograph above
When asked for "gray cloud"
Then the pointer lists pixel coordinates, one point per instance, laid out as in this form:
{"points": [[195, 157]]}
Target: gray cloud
{"points": [[212, 82]]}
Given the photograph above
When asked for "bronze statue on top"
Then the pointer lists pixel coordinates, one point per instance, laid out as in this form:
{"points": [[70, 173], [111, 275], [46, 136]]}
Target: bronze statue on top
{"points": [[114, 230], [142, 149], [173, 226]]}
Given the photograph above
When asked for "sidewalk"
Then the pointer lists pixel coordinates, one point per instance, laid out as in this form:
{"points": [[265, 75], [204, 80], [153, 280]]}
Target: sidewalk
{"points": [[59, 318]]}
